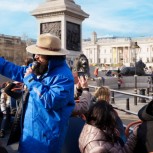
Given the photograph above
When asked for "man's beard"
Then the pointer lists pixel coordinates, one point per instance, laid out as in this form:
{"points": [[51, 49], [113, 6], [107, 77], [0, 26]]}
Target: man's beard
{"points": [[40, 69]]}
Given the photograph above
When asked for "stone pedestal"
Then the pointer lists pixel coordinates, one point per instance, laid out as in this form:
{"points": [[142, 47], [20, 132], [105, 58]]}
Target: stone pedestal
{"points": [[64, 19]]}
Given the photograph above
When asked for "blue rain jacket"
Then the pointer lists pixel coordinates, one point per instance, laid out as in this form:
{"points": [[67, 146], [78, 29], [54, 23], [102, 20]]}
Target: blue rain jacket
{"points": [[49, 106]]}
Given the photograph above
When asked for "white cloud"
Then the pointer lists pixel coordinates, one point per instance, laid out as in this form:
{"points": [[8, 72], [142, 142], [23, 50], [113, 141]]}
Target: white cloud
{"points": [[16, 18], [18, 5], [119, 16]]}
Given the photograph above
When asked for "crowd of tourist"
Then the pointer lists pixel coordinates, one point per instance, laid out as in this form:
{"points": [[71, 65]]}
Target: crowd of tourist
{"points": [[44, 119]]}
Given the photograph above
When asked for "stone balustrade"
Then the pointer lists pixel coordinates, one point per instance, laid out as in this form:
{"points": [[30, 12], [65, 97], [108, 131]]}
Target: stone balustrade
{"points": [[127, 82]]}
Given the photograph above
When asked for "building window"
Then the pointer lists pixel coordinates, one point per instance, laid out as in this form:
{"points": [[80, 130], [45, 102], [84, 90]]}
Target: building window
{"points": [[140, 50], [114, 60], [98, 60], [90, 60], [147, 60], [104, 60], [9, 42]]}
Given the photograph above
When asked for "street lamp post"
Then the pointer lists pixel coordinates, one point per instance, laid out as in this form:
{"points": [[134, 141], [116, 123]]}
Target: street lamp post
{"points": [[135, 46]]}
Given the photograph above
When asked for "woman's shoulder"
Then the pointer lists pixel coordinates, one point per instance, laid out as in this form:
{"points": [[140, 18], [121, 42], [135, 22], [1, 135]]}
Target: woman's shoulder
{"points": [[92, 133]]}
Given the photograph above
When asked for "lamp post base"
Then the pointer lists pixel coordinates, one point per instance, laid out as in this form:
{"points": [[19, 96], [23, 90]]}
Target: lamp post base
{"points": [[135, 89]]}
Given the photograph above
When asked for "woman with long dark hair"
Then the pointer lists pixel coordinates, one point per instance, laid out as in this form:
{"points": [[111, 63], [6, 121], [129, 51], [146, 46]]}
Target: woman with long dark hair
{"points": [[100, 135]]}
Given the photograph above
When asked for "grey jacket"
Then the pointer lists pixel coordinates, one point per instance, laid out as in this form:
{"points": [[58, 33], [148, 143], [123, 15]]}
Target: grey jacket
{"points": [[84, 103], [92, 140]]}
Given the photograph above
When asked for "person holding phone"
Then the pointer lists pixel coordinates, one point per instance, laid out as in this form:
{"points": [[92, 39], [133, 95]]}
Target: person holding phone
{"points": [[83, 96]]}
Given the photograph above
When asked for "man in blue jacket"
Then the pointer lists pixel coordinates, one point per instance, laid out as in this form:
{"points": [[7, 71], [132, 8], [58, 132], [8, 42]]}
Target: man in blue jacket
{"points": [[50, 101]]}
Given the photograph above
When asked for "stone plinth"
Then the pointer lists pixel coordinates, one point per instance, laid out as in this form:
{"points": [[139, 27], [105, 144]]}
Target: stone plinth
{"points": [[64, 19]]}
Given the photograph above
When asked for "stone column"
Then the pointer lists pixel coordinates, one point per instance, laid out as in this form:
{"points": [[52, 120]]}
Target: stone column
{"points": [[64, 19]]}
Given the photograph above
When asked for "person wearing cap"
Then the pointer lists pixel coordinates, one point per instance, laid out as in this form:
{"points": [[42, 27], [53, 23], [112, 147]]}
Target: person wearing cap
{"points": [[145, 132], [50, 97]]}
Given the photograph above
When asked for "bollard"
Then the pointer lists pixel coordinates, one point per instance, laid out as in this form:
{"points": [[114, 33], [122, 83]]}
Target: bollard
{"points": [[135, 88], [148, 89], [127, 104], [152, 94], [135, 100], [112, 98], [149, 83], [142, 92], [135, 97]]}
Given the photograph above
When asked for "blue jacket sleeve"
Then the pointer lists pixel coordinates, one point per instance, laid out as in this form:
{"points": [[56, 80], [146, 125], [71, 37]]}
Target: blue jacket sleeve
{"points": [[11, 70], [54, 95]]}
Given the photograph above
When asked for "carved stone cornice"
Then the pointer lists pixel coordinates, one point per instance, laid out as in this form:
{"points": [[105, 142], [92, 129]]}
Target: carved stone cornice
{"points": [[59, 7], [60, 13]]}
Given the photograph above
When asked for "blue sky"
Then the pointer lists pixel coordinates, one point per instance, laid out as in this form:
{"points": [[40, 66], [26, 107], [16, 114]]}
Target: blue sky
{"points": [[131, 18]]}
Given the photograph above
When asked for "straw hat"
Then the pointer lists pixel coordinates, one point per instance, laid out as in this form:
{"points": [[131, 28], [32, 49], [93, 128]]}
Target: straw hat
{"points": [[47, 44]]}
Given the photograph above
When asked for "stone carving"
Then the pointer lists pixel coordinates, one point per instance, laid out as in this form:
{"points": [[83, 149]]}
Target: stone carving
{"points": [[82, 64], [73, 41], [51, 27], [127, 71]]}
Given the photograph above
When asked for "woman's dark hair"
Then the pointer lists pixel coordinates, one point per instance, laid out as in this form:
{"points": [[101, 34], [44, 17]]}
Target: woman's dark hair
{"points": [[103, 116]]}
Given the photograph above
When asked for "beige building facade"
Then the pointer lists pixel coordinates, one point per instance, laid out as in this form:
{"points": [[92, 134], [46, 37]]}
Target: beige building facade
{"points": [[13, 49], [116, 51]]}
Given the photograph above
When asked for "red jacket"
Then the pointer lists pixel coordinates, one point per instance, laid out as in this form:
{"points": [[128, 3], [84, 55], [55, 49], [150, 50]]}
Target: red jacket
{"points": [[96, 72]]}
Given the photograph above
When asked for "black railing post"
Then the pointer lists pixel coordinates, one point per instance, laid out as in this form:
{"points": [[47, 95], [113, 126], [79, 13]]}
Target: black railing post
{"points": [[127, 104], [112, 98], [148, 89], [135, 90]]}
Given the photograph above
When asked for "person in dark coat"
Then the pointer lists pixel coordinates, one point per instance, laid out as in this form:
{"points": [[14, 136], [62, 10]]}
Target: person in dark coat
{"points": [[2, 148], [145, 132]]}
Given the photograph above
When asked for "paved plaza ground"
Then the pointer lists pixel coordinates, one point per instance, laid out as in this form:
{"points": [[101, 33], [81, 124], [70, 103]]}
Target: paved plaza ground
{"points": [[120, 102]]}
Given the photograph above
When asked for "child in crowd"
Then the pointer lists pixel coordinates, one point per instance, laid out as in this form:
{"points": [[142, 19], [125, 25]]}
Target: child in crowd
{"points": [[103, 93], [100, 134]]}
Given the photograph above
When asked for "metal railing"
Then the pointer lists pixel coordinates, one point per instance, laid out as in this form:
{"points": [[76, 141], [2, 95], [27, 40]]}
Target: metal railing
{"points": [[127, 100]]}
